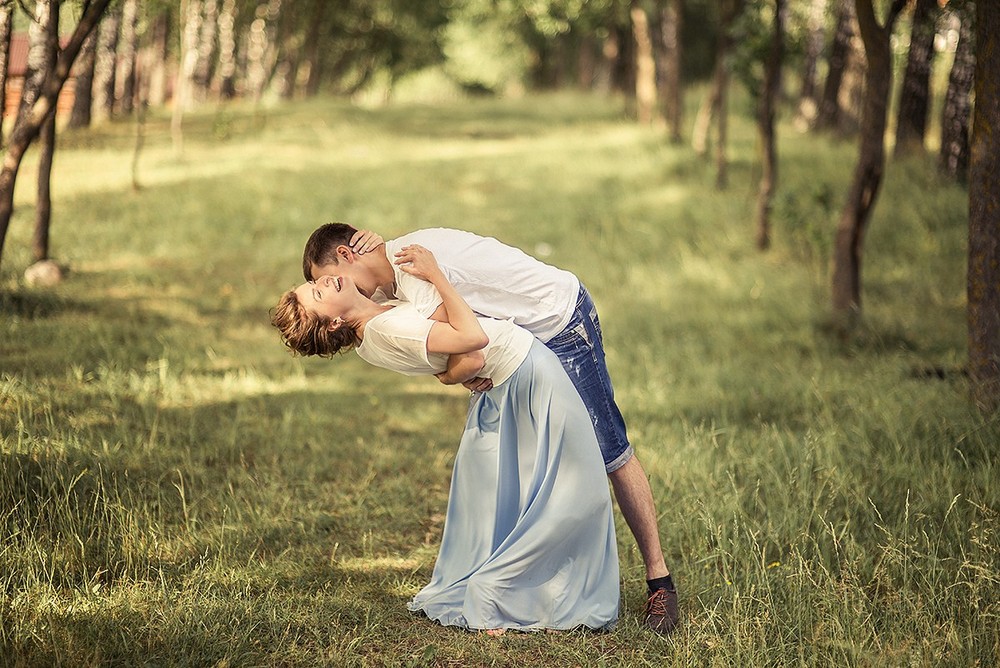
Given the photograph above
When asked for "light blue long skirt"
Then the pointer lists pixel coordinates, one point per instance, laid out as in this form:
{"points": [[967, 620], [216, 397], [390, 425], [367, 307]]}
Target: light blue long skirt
{"points": [[529, 540]]}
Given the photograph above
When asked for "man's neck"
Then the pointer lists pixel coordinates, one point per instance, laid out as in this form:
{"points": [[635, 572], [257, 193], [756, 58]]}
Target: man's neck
{"points": [[384, 275]]}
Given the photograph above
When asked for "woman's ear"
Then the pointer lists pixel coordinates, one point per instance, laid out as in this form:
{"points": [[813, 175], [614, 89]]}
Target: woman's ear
{"points": [[335, 324]]}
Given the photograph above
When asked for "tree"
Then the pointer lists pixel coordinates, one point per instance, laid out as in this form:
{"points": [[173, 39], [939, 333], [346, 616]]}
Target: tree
{"points": [[645, 65], [829, 106], [871, 162], [808, 104], [106, 65], [6, 28], [955, 113], [43, 40], [765, 127], [27, 126], [984, 215], [83, 97], [911, 123], [671, 29], [125, 76]]}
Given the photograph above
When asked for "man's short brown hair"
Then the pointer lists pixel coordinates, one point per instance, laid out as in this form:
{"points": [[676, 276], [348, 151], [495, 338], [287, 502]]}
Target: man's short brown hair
{"points": [[321, 248]]}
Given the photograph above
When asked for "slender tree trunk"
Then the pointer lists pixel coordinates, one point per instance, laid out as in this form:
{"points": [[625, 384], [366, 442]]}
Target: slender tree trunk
{"points": [[603, 75], [6, 28], [28, 125], [202, 76], [955, 114], [127, 53], [225, 71], [671, 25], [707, 110], [645, 66], [106, 64], [83, 97], [808, 105], [190, 29], [731, 9], [44, 37], [871, 162], [829, 107], [852, 89], [313, 55], [156, 59], [984, 216], [765, 126], [911, 121]]}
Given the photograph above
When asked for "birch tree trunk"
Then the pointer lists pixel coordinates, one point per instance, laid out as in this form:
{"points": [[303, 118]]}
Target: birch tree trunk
{"points": [[155, 59], [202, 76], [224, 84], [984, 216], [190, 29]]}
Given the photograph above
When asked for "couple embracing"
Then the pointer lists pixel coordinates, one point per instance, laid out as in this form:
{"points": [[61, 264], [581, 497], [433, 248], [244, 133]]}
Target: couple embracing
{"points": [[529, 540]]}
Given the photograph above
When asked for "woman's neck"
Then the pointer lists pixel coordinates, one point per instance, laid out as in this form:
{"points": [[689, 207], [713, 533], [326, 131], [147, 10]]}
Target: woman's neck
{"points": [[364, 316]]}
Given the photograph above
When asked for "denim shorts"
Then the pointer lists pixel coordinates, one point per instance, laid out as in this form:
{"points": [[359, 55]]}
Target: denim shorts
{"points": [[580, 348]]}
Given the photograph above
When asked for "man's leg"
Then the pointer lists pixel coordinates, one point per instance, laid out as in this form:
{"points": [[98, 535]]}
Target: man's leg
{"points": [[635, 498]]}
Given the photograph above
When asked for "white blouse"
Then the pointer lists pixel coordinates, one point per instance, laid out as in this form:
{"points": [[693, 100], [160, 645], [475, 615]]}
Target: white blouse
{"points": [[397, 340]]}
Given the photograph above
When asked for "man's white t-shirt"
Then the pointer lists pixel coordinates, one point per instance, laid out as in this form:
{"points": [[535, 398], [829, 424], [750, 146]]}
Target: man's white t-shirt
{"points": [[397, 340], [496, 280]]}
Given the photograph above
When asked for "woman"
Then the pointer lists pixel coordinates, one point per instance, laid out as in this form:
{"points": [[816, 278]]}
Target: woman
{"points": [[529, 539]]}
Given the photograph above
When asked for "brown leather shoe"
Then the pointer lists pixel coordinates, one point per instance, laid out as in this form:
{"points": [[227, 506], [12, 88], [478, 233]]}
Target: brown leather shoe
{"points": [[661, 611]]}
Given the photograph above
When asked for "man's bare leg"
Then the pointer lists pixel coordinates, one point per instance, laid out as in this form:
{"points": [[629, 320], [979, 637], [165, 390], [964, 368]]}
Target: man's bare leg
{"points": [[635, 498]]}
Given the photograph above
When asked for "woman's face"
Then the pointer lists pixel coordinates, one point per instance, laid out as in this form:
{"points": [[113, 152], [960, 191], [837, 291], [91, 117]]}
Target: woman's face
{"points": [[328, 295]]}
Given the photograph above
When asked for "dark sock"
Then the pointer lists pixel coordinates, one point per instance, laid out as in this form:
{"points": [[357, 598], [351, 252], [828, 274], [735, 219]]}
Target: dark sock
{"points": [[660, 583]]}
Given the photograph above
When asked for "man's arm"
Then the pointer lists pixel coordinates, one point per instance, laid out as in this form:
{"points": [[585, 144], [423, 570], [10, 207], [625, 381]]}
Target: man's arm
{"points": [[463, 368]]}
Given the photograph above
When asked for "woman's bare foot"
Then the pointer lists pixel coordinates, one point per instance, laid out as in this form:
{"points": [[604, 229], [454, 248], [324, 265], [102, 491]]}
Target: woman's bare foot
{"points": [[495, 632]]}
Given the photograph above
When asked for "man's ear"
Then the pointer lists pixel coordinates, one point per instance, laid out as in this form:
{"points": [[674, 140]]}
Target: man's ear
{"points": [[345, 254]]}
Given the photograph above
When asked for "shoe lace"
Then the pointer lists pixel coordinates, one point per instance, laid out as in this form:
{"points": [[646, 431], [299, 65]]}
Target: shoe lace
{"points": [[657, 604]]}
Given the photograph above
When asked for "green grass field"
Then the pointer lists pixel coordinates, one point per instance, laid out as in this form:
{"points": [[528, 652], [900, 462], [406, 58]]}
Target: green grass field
{"points": [[175, 489]]}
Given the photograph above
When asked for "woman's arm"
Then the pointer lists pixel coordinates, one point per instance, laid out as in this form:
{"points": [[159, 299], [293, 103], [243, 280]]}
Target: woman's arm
{"points": [[462, 333], [462, 367]]}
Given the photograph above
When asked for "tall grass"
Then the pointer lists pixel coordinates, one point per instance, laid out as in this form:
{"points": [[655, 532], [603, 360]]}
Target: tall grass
{"points": [[176, 489]]}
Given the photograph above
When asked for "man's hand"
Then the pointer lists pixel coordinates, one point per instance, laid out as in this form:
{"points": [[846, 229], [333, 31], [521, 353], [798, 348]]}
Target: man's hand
{"points": [[462, 368], [366, 241], [478, 385]]}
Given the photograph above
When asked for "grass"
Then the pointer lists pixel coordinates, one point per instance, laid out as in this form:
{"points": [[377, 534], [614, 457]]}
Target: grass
{"points": [[175, 489]]}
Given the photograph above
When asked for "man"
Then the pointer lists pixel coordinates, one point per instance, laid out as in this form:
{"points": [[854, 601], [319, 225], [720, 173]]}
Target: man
{"points": [[503, 282]]}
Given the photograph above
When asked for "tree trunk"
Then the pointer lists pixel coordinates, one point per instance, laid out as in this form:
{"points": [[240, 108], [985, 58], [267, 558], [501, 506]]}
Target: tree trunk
{"points": [[765, 126], [954, 158], [829, 107], [43, 208], [83, 97], [106, 64], [313, 45], [914, 98], [852, 89], [28, 125], [6, 28], [43, 36], [604, 73], [871, 162], [709, 108], [202, 76], [645, 66], [156, 59], [127, 53], [225, 72], [731, 9], [984, 216], [190, 29], [808, 105], [671, 25]]}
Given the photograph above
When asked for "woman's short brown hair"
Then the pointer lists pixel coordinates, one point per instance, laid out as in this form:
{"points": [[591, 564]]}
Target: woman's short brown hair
{"points": [[307, 333]]}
